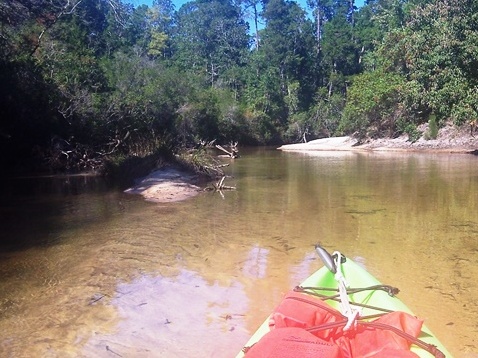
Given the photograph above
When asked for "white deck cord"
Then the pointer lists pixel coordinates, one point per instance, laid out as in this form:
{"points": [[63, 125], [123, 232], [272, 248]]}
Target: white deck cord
{"points": [[346, 308]]}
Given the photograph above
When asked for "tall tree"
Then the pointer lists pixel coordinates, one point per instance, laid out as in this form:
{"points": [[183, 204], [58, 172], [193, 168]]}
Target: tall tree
{"points": [[161, 17], [211, 37], [340, 57], [322, 11], [138, 31], [368, 33], [281, 78], [254, 5]]}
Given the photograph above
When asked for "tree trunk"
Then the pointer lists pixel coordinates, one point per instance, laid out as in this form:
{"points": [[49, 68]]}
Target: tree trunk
{"points": [[255, 23], [319, 25]]}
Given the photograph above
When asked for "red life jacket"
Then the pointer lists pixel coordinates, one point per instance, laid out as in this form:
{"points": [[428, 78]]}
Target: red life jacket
{"points": [[290, 342], [292, 333]]}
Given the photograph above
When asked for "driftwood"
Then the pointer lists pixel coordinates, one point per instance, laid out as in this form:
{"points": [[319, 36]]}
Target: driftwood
{"points": [[65, 155], [232, 153], [220, 185], [206, 144]]}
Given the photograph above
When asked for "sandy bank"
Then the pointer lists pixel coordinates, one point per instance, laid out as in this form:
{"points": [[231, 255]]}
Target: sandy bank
{"points": [[449, 140], [166, 185], [326, 144]]}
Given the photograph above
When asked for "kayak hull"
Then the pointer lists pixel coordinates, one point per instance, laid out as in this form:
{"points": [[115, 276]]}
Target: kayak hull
{"points": [[358, 277]]}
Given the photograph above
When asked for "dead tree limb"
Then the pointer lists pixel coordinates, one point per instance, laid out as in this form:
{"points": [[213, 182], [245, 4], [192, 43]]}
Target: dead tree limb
{"points": [[233, 153], [220, 185], [224, 150]]}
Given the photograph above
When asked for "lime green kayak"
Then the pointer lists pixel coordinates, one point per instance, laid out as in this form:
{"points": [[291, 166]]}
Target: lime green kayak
{"points": [[364, 292]]}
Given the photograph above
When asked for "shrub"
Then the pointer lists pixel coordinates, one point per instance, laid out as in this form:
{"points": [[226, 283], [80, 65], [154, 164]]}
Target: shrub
{"points": [[432, 131], [372, 101]]}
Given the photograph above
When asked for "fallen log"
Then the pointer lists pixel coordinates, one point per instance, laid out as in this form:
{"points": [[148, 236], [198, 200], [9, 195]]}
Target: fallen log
{"points": [[233, 153]]}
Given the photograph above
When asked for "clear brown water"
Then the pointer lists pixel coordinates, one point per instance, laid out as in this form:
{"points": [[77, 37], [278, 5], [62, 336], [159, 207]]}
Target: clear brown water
{"points": [[87, 271]]}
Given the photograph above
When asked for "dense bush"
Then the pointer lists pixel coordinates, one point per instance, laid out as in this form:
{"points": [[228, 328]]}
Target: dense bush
{"points": [[373, 105]]}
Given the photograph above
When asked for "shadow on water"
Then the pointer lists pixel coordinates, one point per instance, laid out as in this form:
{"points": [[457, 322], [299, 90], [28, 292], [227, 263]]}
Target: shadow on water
{"points": [[34, 210]]}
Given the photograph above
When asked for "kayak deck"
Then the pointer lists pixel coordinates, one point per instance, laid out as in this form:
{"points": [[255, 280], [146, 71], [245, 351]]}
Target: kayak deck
{"points": [[358, 277]]}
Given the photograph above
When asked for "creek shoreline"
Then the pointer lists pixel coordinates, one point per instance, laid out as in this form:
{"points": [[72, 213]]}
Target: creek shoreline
{"points": [[171, 184], [380, 145], [450, 139]]}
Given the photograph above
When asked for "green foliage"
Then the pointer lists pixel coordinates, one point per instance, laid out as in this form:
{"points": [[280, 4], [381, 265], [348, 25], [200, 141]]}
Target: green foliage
{"points": [[467, 109], [280, 78], [298, 128], [322, 120], [145, 101], [107, 79], [408, 128], [340, 51], [373, 105], [264, 129], [436, 51], [210, 38], [432, 131], [340, 48], [199, 118], [160, 24]]}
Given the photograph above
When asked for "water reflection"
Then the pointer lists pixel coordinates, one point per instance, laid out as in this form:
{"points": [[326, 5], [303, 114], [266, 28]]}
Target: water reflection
{"points": [[178, 316], [94, 272], [256, 263]]}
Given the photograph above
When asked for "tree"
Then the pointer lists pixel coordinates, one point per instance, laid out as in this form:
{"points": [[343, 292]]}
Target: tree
{"points": [[340, 49], [373, 105], [211, 38], [368, 33], [254, 5], [161, 26], [138, 31], [436, 50], [285, 54], [322, 10]]}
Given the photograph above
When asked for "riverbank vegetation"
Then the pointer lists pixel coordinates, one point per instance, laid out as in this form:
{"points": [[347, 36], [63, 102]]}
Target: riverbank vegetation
{"points": [[84, 81]]}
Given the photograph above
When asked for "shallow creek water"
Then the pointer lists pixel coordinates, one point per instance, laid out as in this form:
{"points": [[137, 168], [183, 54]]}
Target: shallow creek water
{"points": [[88, 271]]}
